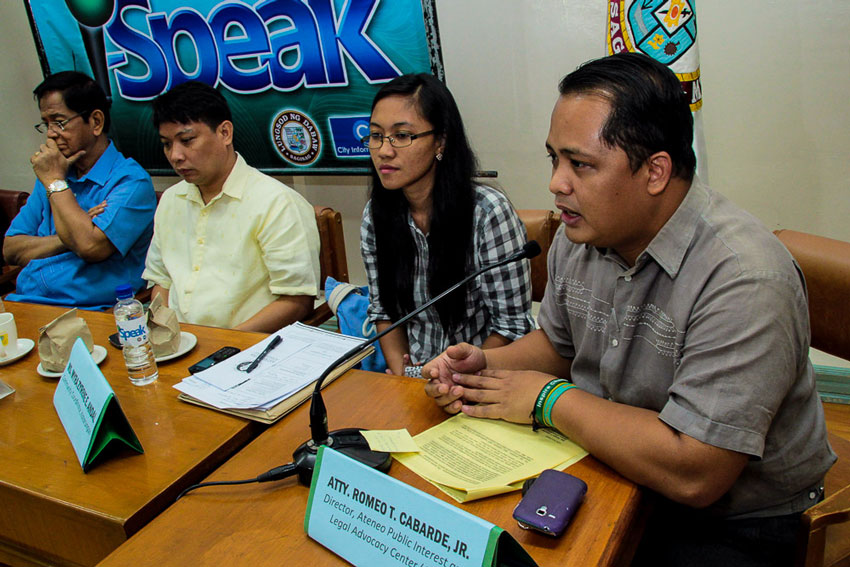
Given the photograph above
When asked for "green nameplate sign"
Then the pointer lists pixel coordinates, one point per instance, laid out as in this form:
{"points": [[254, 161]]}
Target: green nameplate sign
{"points": [[369, 518], [89, 410]]}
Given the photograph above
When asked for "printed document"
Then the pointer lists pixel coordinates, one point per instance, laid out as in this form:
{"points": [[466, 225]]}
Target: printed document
{"points": [[470, 458]]}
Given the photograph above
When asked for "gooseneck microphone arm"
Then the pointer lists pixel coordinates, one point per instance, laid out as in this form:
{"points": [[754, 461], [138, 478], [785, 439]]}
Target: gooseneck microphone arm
{"points": [[318, 413], [351, 441]]}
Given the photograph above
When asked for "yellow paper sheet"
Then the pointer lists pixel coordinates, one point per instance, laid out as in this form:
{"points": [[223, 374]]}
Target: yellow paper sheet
{"points": [[470, 458], [390, 440]]}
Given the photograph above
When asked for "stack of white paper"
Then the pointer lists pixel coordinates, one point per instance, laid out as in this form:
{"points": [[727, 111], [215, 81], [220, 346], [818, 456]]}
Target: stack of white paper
{"points": [[304, 353]]}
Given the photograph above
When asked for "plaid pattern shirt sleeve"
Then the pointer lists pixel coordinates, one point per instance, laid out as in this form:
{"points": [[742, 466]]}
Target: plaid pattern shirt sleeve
{"points": [[368, 251], [506, 291], [498, 301]]}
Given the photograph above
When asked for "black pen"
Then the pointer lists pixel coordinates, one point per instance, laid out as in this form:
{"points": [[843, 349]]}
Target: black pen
{"points": [[275, 341]]}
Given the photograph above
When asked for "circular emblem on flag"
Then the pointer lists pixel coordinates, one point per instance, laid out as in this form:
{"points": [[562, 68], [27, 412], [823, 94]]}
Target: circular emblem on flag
{"points": [[663, 29], [296, 137]]}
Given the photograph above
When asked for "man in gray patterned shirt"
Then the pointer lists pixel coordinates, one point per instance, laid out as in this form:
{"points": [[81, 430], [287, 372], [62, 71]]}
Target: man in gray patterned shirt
{"points": [[674, 331]]}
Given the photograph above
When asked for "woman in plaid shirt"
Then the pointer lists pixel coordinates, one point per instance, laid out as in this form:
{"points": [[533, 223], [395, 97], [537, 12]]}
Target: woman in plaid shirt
{"points": [[428, 224]]}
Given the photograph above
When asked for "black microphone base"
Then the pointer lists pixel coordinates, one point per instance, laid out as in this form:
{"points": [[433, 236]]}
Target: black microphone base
{"points": [[349, 442]]}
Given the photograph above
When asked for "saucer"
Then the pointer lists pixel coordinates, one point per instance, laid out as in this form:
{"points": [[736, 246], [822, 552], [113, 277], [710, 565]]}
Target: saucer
{"points": [[187, 343], [98, 354], [24, 346]]}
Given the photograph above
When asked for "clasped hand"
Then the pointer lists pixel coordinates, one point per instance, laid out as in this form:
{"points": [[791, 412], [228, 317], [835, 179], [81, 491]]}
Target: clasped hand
{"points": [[459, 381]]}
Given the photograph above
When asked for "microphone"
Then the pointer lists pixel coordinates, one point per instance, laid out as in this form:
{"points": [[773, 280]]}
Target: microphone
{"points": [[350, 441]]}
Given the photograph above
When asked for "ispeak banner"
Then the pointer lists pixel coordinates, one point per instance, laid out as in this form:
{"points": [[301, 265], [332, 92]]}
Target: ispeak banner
{"points": [[299, 75]]}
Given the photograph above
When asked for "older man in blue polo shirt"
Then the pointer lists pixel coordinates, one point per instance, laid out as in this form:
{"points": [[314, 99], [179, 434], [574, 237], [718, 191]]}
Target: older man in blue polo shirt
{"points": [[88, 223]]}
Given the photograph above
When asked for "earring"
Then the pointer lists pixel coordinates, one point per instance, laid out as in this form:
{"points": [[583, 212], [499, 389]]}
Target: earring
{"points": [[440, 157]]}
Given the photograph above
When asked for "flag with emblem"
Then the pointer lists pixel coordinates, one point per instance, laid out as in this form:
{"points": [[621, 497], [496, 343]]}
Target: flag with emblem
{"points": [[666, 30]]}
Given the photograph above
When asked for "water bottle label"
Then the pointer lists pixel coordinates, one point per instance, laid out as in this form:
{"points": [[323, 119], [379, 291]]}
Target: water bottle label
{"points": [[134, 331]]}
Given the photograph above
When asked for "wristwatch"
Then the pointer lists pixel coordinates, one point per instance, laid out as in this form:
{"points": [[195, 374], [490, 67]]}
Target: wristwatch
{"points": [[56, 187]]}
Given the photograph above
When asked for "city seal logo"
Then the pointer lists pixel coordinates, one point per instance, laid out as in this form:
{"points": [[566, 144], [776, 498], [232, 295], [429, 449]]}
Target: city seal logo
{"points": [[663, 29], [296, 137]]}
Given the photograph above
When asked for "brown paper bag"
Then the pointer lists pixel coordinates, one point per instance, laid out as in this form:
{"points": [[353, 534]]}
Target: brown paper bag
{"points": [[56, 339], [164, 328]]}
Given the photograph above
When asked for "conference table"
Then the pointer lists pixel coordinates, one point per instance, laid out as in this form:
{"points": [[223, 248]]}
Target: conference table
{"points": [[51, 513], [263, 524]]}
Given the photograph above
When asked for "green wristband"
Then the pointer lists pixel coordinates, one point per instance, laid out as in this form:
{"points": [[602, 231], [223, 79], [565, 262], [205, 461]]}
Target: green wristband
{"points": [[537, 414], [549, 403]]}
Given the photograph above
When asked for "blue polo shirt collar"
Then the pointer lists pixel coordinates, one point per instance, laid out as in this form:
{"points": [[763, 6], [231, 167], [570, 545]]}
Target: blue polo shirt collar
{"points": [[102, 169]]}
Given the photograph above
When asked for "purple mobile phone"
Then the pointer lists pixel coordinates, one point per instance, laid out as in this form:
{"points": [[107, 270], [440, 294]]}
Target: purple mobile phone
{"points": [[550, 502]]}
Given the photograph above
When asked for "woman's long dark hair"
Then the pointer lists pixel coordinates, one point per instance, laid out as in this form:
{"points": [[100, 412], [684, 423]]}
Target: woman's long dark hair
{"points": [[453, 203]]}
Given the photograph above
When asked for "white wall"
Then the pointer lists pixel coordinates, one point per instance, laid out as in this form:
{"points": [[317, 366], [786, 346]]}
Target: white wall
{"points": [[774, 75], [776, 79], [19, 74]]}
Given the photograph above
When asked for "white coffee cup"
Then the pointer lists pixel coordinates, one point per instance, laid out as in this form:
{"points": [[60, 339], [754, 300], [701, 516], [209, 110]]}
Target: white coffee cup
{"points": [[8, 336]]}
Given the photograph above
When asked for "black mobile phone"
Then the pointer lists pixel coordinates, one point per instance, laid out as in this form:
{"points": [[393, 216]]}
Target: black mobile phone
{"points": [[221, 354], [114, 341], [550, 502]]}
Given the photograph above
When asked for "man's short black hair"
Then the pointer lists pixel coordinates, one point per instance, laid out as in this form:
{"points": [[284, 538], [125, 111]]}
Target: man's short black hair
{"points": [[79, 91], [649, 110], [192, 101]]}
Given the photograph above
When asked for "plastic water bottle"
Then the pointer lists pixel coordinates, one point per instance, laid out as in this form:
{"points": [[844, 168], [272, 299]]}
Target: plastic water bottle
{"points": [[131, 319]]}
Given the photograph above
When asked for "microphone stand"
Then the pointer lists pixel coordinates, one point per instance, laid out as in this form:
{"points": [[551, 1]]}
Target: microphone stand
{"points": [[350, 441]]}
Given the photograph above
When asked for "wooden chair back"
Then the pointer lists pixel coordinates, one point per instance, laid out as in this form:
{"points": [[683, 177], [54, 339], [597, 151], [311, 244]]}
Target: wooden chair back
{"points": [[10, 204], [540, 225], [826, 265], [825, 527], [332, 251], [331, 257]]}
